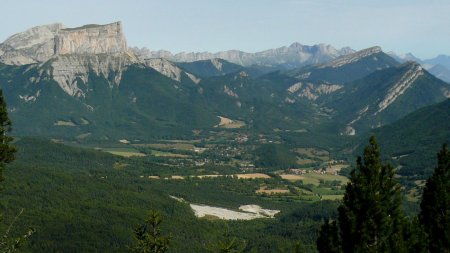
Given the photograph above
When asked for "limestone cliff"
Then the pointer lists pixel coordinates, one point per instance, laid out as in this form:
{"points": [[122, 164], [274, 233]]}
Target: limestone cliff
{"points": [[71, 53], [35, 45], [41, 43], [91, 39], [72, 72], [168, 69]]}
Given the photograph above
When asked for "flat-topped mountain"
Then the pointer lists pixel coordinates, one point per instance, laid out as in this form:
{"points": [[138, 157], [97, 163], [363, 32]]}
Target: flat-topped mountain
{"points": [[91, 39], [70, 55], [39, 44]]}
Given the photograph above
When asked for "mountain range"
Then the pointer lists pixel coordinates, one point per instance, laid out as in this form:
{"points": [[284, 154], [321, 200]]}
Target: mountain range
{"points": [[295, 55], [85, 84]]}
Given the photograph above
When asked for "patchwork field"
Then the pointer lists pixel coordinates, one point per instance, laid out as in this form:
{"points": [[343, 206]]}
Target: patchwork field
{"points": [[264, 190], [158, 153], [313, 153], [314, 178], [168, 146], [252, 176], [332, 197]]}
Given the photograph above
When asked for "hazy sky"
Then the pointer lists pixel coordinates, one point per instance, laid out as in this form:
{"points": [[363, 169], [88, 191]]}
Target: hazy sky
{"points": [[418, 26]]}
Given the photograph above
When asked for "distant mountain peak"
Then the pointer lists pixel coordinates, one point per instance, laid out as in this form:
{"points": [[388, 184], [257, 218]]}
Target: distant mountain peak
{"points": [[404, 57], [292, 56], [296, 45], [440, 72]]}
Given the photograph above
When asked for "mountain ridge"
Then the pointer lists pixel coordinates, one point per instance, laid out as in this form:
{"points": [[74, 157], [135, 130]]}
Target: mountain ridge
{"points": [[387, 95], [295, 55]]}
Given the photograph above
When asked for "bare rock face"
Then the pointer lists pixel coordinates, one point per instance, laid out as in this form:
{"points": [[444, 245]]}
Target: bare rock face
{"points": [[91, 39], [313, 91], [40, 43], [35, 45], [69, 70], [168, 69], [72, 53], [164, 67]]}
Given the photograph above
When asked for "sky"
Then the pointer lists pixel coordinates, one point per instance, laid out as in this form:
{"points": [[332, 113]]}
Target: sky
{"points": [[421, 27]]}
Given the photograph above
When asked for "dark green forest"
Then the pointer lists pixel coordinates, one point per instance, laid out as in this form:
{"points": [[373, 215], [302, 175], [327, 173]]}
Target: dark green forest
{"points": [[76, 200]]}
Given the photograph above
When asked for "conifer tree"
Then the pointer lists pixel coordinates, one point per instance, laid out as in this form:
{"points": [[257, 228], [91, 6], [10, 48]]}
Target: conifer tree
{"points": [[328, 240], [435, 206], [228, 244], [148, 236], [6, 149], [370, 218]]}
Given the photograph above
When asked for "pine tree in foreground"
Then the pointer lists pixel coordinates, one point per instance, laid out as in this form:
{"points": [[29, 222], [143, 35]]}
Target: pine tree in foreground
{"points": [[435, 206], [370, 218]]}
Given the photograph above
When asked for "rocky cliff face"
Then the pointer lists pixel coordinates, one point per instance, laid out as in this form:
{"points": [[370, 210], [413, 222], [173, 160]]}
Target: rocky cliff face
{"points": [[36, 44], [72, 72], [71, 53], [40, 43], [168, 69], [91, 39]]}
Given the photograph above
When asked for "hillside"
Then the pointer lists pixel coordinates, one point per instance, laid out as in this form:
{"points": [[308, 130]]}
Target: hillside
{"points": [[386, 96], [413, 141]]}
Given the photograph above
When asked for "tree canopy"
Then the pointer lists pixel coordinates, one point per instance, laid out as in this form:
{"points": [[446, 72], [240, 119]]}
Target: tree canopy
{"points": [[6, 149], [435, 205], [370, 218]]}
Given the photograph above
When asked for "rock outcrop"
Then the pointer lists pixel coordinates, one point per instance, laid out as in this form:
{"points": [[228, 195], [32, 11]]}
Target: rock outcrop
{"points": [[168, 69], [313, 91]]}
